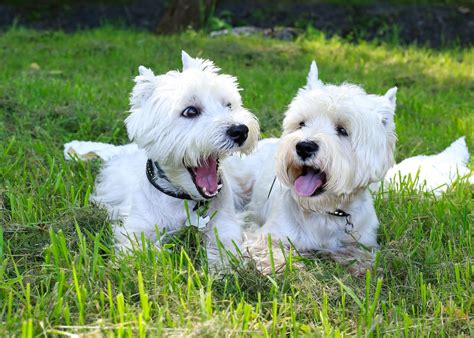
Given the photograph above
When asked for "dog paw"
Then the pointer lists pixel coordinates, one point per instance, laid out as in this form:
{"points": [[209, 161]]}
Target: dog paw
{"points": [[264, 257], [356, 260]]}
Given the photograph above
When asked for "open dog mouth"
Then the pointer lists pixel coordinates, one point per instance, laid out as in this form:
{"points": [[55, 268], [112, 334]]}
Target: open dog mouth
{"points": [[206, 178], [309, 182]]}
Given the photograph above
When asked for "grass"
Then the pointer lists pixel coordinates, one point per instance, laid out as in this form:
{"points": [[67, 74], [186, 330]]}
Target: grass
{"points": [[59, 274]]}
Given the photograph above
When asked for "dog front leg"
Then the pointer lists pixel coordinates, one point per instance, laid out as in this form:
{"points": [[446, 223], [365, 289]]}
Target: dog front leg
{"points": [[355, 258], [266, 252], [268, 247], [223, 239], [128, 235]]}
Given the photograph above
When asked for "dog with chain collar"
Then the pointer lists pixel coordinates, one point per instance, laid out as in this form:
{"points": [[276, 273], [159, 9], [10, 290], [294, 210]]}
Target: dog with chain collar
{"points": [[310, 188], [184, 124]]}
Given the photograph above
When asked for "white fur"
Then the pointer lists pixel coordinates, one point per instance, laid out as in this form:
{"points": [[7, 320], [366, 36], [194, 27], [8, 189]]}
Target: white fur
{"points": [[351, 164], [433, 173], [162, 134], [87, 150]]}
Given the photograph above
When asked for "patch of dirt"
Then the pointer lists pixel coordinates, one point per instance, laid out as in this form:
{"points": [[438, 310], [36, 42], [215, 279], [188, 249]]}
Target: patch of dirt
{"points": [[426, 24]]}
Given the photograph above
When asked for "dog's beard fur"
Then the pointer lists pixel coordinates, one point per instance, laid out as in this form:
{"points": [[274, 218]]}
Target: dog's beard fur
{"points": [[350, 163], [289, 167], [178, 143]]}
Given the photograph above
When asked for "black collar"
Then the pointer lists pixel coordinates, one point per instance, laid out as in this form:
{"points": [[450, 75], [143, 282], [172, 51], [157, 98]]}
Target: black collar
{"points": [[153, 171]]}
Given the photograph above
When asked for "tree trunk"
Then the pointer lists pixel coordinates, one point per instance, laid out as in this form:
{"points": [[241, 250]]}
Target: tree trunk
{"points": [[183, 14]]}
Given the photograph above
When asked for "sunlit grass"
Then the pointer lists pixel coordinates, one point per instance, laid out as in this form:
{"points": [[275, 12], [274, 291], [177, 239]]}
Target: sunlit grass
{"points": [[59, 273]]}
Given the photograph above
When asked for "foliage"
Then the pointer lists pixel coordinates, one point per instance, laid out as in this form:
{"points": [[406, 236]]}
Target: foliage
{"points": [[58, 270]]}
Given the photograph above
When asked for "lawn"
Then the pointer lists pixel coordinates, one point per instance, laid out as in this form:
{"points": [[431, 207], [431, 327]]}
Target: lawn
{"points": [[58, 270]]}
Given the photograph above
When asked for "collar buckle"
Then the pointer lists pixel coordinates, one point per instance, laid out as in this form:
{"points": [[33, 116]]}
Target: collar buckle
{"points": [[349, 226]]}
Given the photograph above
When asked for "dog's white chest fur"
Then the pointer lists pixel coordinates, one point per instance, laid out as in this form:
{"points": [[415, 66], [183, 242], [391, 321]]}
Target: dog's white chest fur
{"points": [[282, 217], [128, 195]]}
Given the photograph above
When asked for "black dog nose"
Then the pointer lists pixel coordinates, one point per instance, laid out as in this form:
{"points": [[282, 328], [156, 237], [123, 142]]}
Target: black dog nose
{"points": [[305, 149], [238, 133]]}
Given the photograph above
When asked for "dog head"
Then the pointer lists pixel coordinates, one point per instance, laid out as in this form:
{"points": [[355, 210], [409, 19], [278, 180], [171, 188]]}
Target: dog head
{"points": [[336, 141], [187, 121]]}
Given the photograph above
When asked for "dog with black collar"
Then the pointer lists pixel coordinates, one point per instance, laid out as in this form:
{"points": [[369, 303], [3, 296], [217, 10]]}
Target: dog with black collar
{"points": [[185, 123]]}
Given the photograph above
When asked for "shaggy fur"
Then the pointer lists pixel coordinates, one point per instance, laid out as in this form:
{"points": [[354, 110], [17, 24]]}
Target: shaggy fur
{"points": [[339, 171], [180, 145]]}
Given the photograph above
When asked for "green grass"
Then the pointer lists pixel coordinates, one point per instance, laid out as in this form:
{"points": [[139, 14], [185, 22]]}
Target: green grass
{"points": [[59, 273]]}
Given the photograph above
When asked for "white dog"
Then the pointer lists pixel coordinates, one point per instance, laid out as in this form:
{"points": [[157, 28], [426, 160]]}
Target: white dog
{"points": [[310, 188], [184, 124]]}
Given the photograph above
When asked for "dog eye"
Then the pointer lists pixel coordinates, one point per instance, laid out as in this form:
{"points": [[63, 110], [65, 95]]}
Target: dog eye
{"points": [[341, 131], [302, 124], [190, 112]]}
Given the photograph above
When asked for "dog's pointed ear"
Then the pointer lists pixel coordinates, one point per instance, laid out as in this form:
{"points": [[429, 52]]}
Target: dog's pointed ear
{"points": [[312, 80], [387, 112], [145, 84], [198, 63], [187, 60], [391, 95], [143, 71]]}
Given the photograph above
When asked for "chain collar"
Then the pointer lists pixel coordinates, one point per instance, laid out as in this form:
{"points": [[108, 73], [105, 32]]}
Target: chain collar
{"points": [[349, 227]]}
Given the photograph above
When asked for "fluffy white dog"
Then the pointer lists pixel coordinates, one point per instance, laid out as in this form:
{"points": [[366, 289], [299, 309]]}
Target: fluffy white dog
{"points": [[310, 188], [184, 124]]}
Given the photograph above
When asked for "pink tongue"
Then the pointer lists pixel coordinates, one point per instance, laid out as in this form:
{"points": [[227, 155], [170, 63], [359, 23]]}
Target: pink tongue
{"points": [[307, 184], [206, 175]]}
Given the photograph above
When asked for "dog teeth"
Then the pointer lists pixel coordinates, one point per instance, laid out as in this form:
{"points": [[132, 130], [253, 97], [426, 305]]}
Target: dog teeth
{"points": [[219, 186], [209, 194]]}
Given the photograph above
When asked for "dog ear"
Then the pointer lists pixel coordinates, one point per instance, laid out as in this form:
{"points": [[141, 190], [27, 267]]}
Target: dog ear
{"points": [[383, 152], [391, 95], [312, 80], [145, 84], [198, 63], [143, 71], [387, 111], [188, 61]]}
